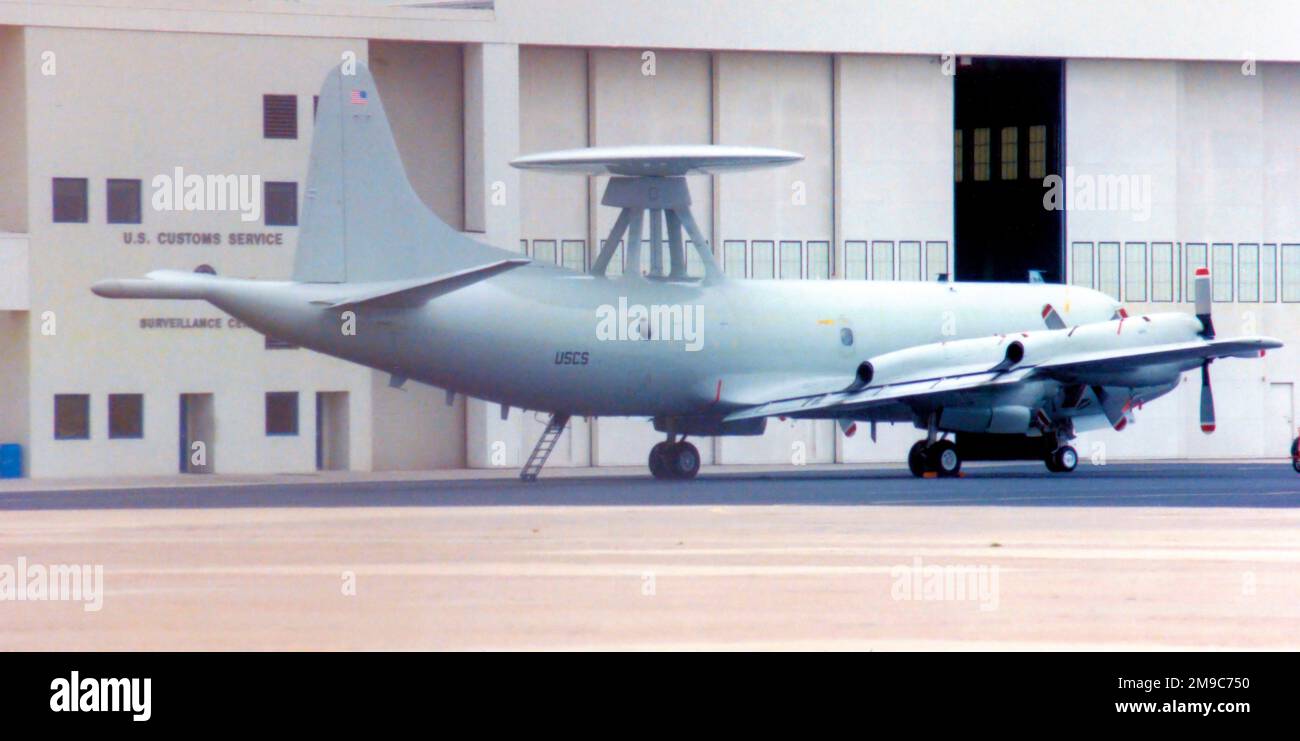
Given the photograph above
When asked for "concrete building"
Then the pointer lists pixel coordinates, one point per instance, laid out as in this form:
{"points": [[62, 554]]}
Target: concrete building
{"points": [[1110, 144]]}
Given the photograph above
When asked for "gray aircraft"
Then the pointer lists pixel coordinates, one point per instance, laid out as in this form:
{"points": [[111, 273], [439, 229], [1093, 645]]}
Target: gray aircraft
{"points": [[1009, 371]]}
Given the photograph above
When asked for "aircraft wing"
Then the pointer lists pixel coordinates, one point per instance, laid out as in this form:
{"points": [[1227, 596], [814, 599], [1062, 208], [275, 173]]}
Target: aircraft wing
{"points": [[964, 379], [848, 401], [1093, 363]]}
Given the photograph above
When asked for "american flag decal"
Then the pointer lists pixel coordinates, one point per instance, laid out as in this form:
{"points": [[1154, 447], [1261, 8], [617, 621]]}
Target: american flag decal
{"points": [[358, 97]]}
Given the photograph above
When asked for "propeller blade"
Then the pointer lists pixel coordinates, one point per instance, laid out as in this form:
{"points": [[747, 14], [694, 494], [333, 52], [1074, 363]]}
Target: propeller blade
{"points": [[1114, 406], [1051, 318], [1207, 400], [1204, 298]]}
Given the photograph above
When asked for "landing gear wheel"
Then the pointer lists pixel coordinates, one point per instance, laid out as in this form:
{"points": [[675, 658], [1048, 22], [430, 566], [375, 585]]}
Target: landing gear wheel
{"points": [[659, 461], [1062, 460], [944, 458], [683, 461], [1295, 455], [917, 461]]}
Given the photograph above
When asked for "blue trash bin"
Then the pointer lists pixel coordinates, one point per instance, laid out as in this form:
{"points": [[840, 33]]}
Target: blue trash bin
{"points": [[11, 461]]}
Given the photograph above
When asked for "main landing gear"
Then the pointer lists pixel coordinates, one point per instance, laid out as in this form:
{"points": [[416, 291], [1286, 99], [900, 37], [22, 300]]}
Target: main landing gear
{"points": [[1295, 455], [674, 460], [940, 458], [933, 455]]}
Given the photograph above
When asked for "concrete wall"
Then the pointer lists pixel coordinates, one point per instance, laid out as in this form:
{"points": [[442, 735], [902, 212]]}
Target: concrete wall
{"points": [[1156, 29], [421, 86], [135, 117], [1217, 145]]}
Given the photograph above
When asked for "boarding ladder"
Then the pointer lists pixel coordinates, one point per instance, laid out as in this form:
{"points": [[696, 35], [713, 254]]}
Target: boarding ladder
{"points": [[545, 444]]}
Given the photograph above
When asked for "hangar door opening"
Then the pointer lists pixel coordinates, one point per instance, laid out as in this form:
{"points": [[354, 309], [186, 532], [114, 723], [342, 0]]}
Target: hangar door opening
{"points": [[1008, 138]]}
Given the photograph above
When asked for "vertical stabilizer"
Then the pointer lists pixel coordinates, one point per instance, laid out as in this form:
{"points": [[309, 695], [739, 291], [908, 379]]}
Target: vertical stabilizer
{"points": [[362, 221]]}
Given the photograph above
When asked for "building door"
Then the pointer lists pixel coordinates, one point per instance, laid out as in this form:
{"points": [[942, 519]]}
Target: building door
{"points": [[332, 431], [1281, 415], [1008, 137], [198, 428]]}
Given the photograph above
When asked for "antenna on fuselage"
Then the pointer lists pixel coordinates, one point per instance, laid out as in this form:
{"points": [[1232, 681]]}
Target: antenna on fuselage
{"points": [[651, 181]]}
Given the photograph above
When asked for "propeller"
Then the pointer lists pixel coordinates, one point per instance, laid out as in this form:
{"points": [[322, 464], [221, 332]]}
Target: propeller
{"points": [[1203, 309], [1203, 298], [1207, 400]]}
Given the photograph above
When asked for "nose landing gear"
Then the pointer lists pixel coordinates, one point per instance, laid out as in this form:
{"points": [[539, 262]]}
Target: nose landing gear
{"points": [[671, 460], [1062, 460]]}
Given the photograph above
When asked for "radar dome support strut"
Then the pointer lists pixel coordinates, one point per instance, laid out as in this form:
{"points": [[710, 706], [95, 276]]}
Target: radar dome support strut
{"points": [[648, 183], [659, 197]]}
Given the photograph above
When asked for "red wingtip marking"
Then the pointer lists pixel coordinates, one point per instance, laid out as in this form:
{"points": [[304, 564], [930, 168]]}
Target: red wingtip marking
{"points": [[1047, 309], [1202, 272], [1207, 429], [1121, 424], [1262, 353], [1123, 313], [853, 428]]}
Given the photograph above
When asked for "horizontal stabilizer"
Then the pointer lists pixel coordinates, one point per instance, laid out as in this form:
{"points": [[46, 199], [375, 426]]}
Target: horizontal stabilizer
{"points": [[416, 292], [173, 284]]}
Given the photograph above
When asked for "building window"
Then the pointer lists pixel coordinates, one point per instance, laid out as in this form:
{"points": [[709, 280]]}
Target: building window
{"points": [[1037, 152], [1291, 273], [936, 260], [1248, 272], [982, 154], [855, 260], [72, 416], [71, 200], [280, 116], [1162, 271], [1195, 255], [694, 266], [762, 259], [280, 204], [124, 201], [1108, 268], [282, 413], [958, 138], [1081, 265], [733, 258], [1135, 271], [544, 251], [1010, 153], [574, 254], [791, 260], [882, 260], [909, 260], [819, 260], [1221, 272], [125, 416], [1268, 273], [615, 266]]}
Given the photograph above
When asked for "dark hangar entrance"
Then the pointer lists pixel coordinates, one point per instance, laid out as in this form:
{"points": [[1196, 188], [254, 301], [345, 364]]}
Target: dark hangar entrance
{"points": [[1008, 137]]}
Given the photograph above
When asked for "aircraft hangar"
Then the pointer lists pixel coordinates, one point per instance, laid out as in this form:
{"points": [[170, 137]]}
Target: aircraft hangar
{"points": [[1091, 143]]}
